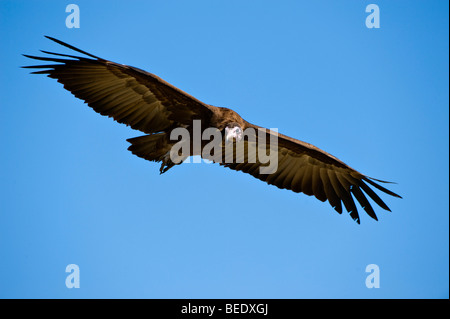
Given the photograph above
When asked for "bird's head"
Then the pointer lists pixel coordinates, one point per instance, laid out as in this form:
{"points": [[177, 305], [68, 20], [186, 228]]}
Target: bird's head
{"points": [[233, 132]]}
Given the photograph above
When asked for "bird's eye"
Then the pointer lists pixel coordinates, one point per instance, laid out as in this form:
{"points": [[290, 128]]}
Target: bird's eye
{"points": [[238, 133]]}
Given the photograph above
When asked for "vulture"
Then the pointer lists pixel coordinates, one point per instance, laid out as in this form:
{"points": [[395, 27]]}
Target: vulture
{"points": [[149, 104]]}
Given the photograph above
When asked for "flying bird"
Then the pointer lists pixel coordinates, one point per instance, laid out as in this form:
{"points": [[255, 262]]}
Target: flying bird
{"points": [[149, 104]]}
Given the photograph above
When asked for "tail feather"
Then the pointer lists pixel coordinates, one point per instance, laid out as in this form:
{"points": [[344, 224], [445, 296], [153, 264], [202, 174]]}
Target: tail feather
{"points": [[150, 147], [155, 148]]}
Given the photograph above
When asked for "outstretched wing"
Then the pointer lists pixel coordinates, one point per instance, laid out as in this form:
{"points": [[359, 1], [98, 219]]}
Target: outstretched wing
{"points": [[129, 95], [304, 168]]}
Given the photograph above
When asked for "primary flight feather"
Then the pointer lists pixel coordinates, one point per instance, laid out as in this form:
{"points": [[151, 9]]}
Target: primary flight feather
{"points": [[149, 104]]}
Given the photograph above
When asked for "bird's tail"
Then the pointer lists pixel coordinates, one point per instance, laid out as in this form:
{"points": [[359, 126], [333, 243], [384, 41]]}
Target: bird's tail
{"points": [[154, 147]]}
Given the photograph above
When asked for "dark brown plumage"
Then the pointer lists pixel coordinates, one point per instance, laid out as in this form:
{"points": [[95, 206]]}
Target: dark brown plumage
{"points": [[149, 104]]}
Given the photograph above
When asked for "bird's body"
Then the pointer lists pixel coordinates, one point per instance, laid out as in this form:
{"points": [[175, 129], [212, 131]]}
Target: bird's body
{"points": [[149, 104]]}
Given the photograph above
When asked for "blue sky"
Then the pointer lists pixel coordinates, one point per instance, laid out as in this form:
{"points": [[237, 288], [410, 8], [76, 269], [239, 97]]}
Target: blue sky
{"points": [[71, 193]]}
